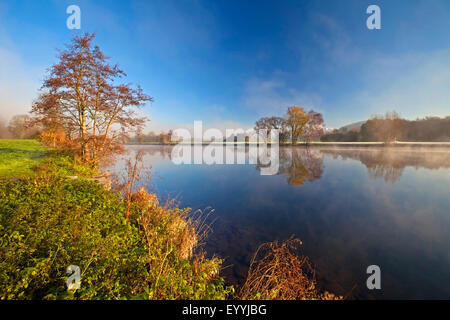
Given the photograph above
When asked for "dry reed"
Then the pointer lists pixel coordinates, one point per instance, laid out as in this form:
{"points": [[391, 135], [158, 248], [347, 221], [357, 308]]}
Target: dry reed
{"points": [[278, 272]]}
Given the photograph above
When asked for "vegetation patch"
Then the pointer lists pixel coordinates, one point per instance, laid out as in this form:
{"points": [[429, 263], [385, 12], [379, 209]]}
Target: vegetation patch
{"points": [[19, 157], [279, 272], [24, 158], [50, 223]]}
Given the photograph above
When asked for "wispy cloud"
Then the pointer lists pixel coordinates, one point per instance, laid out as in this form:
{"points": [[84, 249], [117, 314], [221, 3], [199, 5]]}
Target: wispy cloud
{"points": [[334, 41], [416, 85], [273, 96]]}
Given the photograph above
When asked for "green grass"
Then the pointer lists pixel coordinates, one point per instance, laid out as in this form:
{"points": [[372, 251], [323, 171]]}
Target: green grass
{"points": [[48, 223], [20, 157]]}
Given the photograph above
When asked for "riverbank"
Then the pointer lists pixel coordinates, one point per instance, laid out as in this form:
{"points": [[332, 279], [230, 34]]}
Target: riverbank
{"points": [[50, 221], [125, 246]]}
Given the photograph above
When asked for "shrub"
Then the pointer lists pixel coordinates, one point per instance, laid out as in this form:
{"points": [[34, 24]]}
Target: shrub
{"points": [[49, 223], [277, 272]]}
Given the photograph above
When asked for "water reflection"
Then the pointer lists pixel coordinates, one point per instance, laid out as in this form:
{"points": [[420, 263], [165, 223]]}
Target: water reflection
{"points": [[300, 165], [351, 208], [389, 163]]}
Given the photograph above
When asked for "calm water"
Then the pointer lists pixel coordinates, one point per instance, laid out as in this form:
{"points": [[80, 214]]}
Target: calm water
{"points": [[351, 208]]}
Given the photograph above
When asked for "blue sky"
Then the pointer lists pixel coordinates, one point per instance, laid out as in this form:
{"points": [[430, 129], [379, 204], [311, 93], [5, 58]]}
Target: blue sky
{"points": [[230, 62]]}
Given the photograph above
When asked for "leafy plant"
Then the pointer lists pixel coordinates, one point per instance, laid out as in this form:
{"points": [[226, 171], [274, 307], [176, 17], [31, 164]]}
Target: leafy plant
{"points": [[48, 223]]}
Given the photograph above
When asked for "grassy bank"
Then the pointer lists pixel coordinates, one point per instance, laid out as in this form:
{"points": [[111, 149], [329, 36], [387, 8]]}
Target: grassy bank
{"points": [[26, 158], [19, 157], [125, 247], [49, 222]]}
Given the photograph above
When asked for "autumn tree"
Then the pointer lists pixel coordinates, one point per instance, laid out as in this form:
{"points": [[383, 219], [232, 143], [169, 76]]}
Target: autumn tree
{"points": [[297, 120], [314, 128], [386, 128], [166, 138], [297, 123], [86, 96]]}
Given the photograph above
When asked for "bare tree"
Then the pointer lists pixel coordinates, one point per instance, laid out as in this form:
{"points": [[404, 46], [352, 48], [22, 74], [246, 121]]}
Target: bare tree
{"points": [[266, 124]]}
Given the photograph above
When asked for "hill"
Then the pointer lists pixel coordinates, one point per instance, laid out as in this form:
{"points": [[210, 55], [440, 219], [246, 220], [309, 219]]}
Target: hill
{"points": [[355, 126]]}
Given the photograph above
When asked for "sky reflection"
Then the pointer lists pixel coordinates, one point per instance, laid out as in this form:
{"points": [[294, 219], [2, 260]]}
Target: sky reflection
{"points": [[350, 207]]}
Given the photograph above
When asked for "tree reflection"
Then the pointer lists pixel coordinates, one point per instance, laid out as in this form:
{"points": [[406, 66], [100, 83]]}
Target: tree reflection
{"points": [[388, 173], [300, 165], [389, 164]]}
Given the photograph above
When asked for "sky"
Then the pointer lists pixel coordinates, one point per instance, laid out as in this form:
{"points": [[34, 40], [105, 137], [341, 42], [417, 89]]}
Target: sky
{"points": [[228, 63]]}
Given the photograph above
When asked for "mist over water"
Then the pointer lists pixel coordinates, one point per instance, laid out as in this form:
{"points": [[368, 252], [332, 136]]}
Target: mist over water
{"points": [[351, 207]]}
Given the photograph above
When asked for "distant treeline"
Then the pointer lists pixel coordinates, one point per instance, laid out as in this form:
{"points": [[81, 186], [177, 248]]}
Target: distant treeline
{"points": [[307, 126], [392, 128], [19, 127], [163, 137]]}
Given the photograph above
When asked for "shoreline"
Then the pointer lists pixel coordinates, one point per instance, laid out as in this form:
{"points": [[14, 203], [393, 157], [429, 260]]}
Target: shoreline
{"points": [[98, 229]]}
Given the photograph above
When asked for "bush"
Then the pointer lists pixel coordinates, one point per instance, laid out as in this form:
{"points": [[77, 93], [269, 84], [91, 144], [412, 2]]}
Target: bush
{"points": [[278, 272], [49, 223]]}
